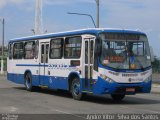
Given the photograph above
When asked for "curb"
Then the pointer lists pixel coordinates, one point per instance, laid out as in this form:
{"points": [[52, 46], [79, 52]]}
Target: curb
{"points": [[157, 85], [155, 88], [155, 92], [158, 93]]}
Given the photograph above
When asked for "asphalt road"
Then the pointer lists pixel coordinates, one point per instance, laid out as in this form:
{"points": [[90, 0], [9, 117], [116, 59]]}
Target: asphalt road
{"points": [[15, 99]]}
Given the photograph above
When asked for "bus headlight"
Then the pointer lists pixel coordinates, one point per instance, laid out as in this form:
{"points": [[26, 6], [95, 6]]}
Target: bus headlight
{"points": [[148, 79], [106, 78], [109, 80]]}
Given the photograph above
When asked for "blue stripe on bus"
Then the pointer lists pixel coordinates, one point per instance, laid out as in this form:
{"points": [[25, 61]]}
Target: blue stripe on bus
{"points": [[101, 86], [104, 87], [52, 82], [32, 65]]}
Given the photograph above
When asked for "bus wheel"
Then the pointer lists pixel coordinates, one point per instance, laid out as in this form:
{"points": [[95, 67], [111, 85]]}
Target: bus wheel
{"points": [[117, 97], [75, 89], [28, 82]]}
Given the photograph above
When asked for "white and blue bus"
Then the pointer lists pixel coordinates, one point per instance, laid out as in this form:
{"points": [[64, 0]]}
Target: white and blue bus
{"points": [[96, 61]]}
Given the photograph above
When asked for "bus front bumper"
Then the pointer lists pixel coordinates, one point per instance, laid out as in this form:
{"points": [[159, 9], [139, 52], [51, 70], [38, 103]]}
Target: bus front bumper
{"points": [[104, 87]]}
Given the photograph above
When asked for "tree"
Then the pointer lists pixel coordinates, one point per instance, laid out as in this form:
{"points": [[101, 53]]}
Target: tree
{"points": [[156, 64]]}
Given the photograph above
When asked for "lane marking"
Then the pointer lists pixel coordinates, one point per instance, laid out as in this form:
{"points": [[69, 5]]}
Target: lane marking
{"points": [[10, 109], [70, 114], [13, 109], [140, 109]]}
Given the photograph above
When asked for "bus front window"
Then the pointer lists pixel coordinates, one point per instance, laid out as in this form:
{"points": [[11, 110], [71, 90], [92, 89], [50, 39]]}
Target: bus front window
{"points": [[125, 54]]}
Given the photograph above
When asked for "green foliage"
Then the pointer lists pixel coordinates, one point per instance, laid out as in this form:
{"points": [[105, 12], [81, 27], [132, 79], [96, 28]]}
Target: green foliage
{"points": [[156, 65]]}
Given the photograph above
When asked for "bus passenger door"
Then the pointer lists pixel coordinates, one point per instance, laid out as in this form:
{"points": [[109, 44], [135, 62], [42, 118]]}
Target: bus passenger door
{"points": [[44, 64], [88, 64]]}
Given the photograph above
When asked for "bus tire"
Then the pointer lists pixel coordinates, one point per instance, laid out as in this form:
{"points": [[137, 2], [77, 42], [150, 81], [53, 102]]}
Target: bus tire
{"points": [[75, 89], [28, 82], [117, 97]]}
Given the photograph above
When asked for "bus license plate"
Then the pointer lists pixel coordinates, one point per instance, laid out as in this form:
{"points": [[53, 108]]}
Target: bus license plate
{"points": [[130, 89]]}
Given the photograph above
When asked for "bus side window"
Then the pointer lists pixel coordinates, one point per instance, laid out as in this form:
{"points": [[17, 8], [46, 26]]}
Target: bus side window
{"points": [[86, 52], [29, 50], [47, 51], [18, 51], [10, 47], [36, 49], [56, 49], [42, 54], [91, 52], [73, 47]]}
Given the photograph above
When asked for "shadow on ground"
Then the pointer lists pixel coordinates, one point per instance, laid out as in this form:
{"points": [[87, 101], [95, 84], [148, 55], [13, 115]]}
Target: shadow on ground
{"points": [[128, 100]]}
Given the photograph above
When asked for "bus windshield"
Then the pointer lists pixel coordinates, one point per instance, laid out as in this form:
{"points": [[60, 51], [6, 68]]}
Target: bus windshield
{"points": [[125, 51]]}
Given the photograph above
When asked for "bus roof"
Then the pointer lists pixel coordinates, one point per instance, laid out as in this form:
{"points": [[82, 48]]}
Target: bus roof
{"points": [[93, 31]]}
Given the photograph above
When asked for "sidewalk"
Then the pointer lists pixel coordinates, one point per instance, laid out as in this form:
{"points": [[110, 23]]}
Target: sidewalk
{"points": [[155, 88], [156, 78]]}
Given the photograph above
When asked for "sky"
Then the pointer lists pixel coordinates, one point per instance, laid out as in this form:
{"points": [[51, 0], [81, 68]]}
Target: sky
{"points": [[143, 15]]}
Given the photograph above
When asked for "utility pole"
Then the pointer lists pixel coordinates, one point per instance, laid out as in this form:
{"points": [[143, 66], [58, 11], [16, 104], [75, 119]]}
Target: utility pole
{"points": [[2, 62], [98, 5], [38, 17]]}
